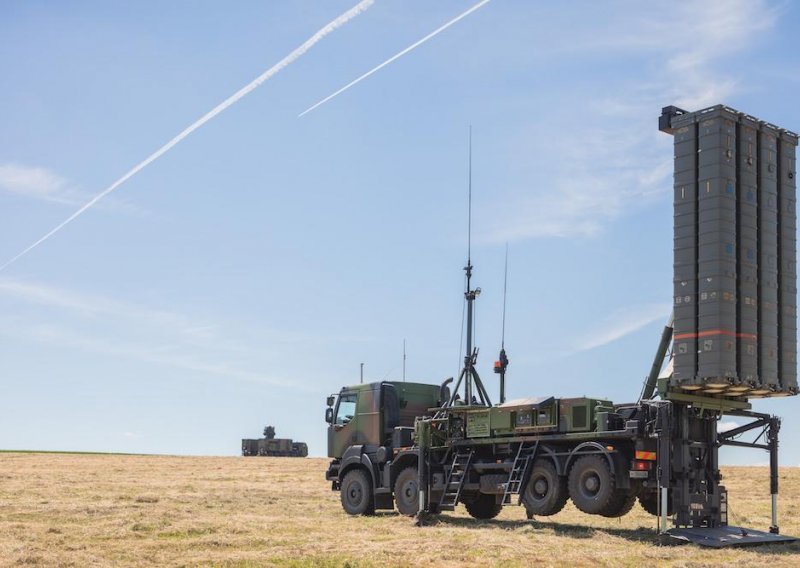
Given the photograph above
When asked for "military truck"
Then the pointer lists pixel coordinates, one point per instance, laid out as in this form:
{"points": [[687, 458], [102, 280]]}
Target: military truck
{"points": [[271, 446], [476, 453], [425, 450]]}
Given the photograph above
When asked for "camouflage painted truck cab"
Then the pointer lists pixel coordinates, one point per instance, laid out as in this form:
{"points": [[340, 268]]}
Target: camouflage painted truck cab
{"points": [[369, 427], [538, 452]]}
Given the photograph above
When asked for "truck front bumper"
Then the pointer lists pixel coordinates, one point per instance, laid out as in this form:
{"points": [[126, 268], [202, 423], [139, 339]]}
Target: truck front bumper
{"points": [[332, 474]]}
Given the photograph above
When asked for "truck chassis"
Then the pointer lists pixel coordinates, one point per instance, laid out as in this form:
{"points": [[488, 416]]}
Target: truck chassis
{"points": [[653, 451]]}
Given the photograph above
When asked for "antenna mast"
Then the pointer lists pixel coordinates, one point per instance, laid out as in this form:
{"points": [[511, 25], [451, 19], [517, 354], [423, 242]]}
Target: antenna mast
{"points": [[404, 360], [502, 361], [474, 393]]}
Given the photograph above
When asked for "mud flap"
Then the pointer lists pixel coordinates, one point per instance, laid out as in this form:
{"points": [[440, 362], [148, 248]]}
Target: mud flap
{"points": [[722, 537]]}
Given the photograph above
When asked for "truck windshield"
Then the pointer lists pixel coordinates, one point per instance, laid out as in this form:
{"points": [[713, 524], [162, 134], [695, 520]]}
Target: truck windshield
{"points": [[346, 409]]}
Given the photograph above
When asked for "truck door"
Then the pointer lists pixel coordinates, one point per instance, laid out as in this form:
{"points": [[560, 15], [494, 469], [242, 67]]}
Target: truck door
{"points": [[343, 431]]}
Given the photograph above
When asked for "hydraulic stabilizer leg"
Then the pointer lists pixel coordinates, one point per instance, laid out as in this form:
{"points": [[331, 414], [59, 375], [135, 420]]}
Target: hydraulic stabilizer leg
{"points": [[423, 443], [664, 464], [774, 427]]}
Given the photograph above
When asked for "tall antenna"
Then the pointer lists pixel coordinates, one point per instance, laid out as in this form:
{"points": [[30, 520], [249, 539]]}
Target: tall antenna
{"points": [[474, 392], [469, 212], [468, 293], [505, 291], [404, 360], [502, 360]]}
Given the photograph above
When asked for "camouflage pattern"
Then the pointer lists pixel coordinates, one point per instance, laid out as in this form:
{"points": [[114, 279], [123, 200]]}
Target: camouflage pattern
{"points": [[367, 414]]}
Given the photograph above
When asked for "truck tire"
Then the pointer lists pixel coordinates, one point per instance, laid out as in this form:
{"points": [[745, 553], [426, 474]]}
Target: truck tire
{"points": [[620, 505], [591, 484], [406, 491], [483, 507], [356, 493], [649, 502], [546, 492]]}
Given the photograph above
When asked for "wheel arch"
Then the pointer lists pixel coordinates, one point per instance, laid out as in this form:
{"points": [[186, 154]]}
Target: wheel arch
{"points": [[355, 458], [587, 448], [548, 453], [407, 459], [614, 458]]}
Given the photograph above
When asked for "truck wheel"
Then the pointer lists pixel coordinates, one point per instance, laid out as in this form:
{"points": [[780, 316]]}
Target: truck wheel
{"points": [[649, 502], [406, 492], [591, 485], [356, 492], [484, 506], [546, 492], [620, 505]]}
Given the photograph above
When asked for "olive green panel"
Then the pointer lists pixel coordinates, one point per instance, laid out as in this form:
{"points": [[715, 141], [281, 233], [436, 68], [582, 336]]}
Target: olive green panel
{"points": [[415, 400], [579, 414], [525, 418], [500, 420], [478, 424]]}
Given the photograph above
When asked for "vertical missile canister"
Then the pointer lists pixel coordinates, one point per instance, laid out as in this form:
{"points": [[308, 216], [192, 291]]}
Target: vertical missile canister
{"points": [[685, 250], [746, 219], [787, 252], [717, 252], [735, 254], [768, 257]]}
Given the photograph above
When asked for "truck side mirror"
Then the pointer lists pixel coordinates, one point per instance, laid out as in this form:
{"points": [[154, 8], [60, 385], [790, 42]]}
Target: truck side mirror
{"points": [[331, 400], [329, 415]]}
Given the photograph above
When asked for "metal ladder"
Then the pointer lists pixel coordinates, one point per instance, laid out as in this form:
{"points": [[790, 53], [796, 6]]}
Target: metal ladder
{"points": [[520, 471], [455, 480]]}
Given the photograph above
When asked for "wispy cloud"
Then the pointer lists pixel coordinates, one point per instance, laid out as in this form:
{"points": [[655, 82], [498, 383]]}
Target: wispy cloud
{"points": [[92, 305], [597, 183], [190, 329], [96, 324], [710, 31], [681, 50], [98, 306], [36, 183], [622, 323], [43, 184], [612, 161], [205, 362]]}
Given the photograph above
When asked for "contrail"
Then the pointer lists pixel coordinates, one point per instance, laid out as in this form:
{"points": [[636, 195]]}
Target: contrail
{"points": [[247, 89], [396, 56]]}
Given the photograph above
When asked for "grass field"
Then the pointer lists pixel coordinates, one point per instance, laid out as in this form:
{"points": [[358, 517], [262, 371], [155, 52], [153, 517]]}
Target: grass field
{"points": [[115, 510]]}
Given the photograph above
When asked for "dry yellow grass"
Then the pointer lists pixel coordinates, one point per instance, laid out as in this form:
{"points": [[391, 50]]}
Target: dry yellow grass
{"points": [[107, 510]]}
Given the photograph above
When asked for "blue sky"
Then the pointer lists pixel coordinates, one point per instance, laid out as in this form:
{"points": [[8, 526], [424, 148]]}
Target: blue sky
{"points": [[244, 275]]}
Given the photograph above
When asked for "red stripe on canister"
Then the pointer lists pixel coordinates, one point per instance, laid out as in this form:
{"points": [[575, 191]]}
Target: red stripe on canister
{"points": [[717, 332]]}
